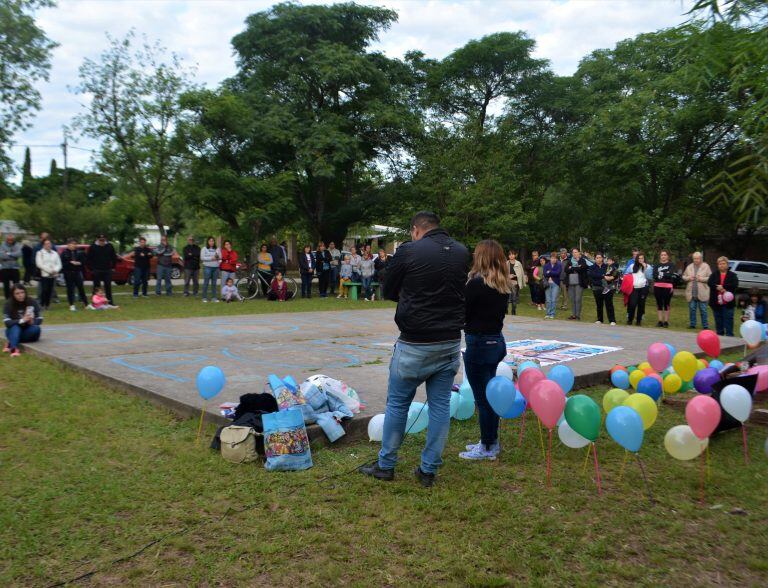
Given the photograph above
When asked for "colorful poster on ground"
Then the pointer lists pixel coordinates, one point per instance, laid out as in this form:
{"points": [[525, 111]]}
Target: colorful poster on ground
{"points": [[547, 352]]}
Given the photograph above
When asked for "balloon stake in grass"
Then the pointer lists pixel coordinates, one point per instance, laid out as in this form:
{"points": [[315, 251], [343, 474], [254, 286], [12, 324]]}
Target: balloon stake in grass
{"points": [[547, 401], [626, 426], [583, 416], [703, 415], [210, 381], [737, 402]]}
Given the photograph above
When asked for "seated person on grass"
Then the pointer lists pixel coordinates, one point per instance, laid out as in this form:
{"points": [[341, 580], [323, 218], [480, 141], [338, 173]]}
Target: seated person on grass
{"points": [[99, 301], [278, 289], [22, 320], [345, 277], [229, 292]]}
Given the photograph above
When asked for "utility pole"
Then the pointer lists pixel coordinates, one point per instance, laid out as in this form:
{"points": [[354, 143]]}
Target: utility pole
{"points": [[64, 152]]}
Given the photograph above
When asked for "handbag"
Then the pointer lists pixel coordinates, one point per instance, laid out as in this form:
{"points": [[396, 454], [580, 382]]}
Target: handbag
{"points": [[286, 443], [238, 444]]}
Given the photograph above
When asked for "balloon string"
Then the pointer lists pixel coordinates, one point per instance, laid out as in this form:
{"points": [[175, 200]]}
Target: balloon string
{"points": [[200, 426], [549, 460], [744, 437], [541, 439], [645, 478], [586, 459], [701, 491], [623, 465], [707, 460], [522, 428], [597, 472]]}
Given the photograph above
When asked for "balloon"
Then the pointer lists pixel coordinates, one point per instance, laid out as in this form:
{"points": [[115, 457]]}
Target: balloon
{"points": [[703, 415], [643, 365], [717, 364], [656, 377], [651, 387], [648, 371], [583, 416], [658, 356], [728, 296], [687, 385], [563, 376], [466, 390], [685, 365], [210, 381], [569, 437], [418, 418], [705, 379], [547, 400], [517, 409], [525, 365], [635, 377], [672, 384], [500, 393], [645, 407], [682, 444], [761, 371], [617, 368], [620, 379], [455, 401], [613, 398], [631, 368], [709, 342], [529, 378], [736, 401], [672, 350], [701, 364], [466, 408], [504, 369], [625, 426], [751, 331], [376, 428]]}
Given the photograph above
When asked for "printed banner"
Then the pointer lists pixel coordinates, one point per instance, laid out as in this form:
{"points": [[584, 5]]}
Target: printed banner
{"points": [[547, 352]]}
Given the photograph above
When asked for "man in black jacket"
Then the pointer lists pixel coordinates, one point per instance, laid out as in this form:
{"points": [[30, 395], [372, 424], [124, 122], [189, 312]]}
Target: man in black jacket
{"points": [[73, 265], [426, 277], [101, 259], [191, 266]]}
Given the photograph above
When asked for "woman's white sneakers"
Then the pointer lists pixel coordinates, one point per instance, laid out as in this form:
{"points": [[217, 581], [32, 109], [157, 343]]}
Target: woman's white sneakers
{"points": [[479, 452]]}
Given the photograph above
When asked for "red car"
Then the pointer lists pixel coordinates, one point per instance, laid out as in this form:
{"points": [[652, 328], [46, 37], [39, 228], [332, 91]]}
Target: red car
{"points": [[121, 274], [177, 269]]}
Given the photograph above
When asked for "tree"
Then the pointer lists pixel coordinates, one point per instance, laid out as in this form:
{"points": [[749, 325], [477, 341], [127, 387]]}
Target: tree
{"points": [[26, 170], [25, 59], [134, 109], [54, 168]]}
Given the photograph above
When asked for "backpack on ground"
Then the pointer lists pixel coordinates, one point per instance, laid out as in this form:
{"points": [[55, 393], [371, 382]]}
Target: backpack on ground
{"points": [[238, 444]]}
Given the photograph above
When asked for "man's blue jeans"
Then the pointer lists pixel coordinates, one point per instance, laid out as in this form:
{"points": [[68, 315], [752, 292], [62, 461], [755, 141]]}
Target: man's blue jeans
{"points": [[551, 298], [693, 305], [22, 334], [436, 365], [164, 274], [140, 280]]}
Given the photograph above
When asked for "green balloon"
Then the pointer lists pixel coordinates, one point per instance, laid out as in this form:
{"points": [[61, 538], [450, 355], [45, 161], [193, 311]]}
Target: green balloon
{"points": [[631, 369], [686, 386], [583, 416]]}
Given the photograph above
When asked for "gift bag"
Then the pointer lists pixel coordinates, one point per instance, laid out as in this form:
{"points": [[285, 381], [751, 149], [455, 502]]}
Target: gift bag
{"points": [[286, 443]]}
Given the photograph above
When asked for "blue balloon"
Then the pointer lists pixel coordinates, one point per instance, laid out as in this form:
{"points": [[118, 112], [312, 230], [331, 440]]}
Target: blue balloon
{"points": [[620, 379], [525, 365], [466, 390], [650, 387], [562, 375], [625, 426], [418, 418], [518, 407], [210, 381], [717, 364], [455, 401], [500, 393], [672, 350]]}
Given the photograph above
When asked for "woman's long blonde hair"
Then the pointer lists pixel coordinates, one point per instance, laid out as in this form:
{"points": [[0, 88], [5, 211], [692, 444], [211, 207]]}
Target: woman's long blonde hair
{"points": [[490, 264]]}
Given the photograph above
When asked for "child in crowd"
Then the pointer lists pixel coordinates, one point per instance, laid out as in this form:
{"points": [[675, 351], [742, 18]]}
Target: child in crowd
{"points": [[752, 306], [229, 292], [99, 301], [345, 277], [610, 279], [278, 289]]}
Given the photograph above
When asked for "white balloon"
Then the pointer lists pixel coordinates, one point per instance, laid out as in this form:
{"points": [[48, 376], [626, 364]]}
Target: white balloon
{"points": [[503, 369], [751, 331], [376, 428], [736, 401], [569, 437]]}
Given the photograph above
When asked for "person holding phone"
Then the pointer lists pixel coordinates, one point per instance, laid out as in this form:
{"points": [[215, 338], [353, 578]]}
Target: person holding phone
{"points": [[22, 319]]}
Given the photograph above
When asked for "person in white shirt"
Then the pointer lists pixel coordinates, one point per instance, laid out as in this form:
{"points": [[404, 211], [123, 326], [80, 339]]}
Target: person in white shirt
{"points": [[49, 264], [636, 308]]}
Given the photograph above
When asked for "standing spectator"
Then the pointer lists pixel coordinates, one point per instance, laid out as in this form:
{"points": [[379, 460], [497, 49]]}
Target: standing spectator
{"points": [[28, 256], [49, 264], [355, 261], [22, 319], [73, 266], [10, 253], [516, 280], [366, 250], [602, 288], [101, 259], [279, 257], [541, 284], [307, 271], [335, 266], [553, 272], [323, 267], [367, 269], [663, 287], [721, 282], [380, 265], [696, 276], [164, 254], [563, 253], [631, 261], [639, 290], [426, 277], [278, 289], [191, 254], [228, 263], [36, 271], [141, 258], [530, 269], [576, 274], [210, 257], [265, 263]]}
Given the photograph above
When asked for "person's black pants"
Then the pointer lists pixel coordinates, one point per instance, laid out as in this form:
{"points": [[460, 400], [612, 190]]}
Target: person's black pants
{"points": [[306, 285], [74, 281], [46, 291], [103, 279], [637, 304], [663, 297], [322, 283], [29, 271], [9, 277], [607, 301]]}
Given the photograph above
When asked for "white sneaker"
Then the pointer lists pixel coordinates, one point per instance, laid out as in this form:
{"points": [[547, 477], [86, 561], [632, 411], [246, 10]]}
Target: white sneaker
{"points": [[215, 299], [72, 308], [478, 454], [205, 300], [613, 324], [495, 448], [90, 307], [598, 322], [373, 297]]}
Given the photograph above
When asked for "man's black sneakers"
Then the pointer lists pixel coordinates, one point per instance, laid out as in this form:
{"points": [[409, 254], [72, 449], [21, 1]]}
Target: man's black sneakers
{"points": [[373, 469], [426, 480]]}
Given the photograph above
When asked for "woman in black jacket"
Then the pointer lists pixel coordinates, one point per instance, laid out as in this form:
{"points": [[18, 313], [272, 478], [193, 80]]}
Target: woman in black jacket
{"points": [[722, 296], [323, 267], [380, 265], [73, 265], [307, 271]]}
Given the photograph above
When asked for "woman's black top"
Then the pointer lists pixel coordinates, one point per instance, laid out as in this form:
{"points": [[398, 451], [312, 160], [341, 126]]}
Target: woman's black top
{"points": [[485, 308], [663, 272]]}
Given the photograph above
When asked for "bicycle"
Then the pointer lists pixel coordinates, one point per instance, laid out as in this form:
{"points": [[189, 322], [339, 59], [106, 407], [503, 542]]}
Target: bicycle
{"points": [[256, 285]]}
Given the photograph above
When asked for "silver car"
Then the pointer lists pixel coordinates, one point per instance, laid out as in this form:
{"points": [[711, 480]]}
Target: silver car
{"points": [[752, 274]]}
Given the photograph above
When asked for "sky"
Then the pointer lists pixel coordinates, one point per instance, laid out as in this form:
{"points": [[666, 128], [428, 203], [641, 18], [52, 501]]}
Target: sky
{"points": [[199, 31]]}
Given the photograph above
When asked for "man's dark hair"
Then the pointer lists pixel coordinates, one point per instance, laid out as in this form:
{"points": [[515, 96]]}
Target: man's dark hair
{"points": [[425, 220], [71, 240]]}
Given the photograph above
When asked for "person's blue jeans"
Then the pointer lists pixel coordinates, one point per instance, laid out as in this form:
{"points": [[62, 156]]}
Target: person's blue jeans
{"points": [[334, 280], [694, 305], [723, 320], [22, 334], [306, 285], [210, 275], [140, 280], [436, 365], [481, 358], [367, 287], [551, 299], [164, 274]]}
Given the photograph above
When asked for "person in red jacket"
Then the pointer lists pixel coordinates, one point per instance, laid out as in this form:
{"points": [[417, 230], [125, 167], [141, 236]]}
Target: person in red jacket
{"points": [[228, 265], [278, 289]]}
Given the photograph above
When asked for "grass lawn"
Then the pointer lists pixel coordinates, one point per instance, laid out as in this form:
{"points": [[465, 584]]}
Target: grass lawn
{"points": [[89, 474]]}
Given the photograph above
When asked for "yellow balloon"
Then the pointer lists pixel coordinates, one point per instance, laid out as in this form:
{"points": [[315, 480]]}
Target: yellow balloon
{"points": [[645, 406], [613, 398], [700, 365], [635, 377], [681, 443], [685, 364], [672, 383], [643, 365]]}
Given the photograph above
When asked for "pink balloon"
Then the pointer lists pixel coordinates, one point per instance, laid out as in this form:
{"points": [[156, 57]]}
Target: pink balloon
{"points": [[761, 371], [656, 377], [709, 342], [659, 356], [528, 379], [703, 415], [728, 297], [547, 401]]}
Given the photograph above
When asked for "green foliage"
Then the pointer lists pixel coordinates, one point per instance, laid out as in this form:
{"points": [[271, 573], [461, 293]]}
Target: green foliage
{"points": [[26, 170]]}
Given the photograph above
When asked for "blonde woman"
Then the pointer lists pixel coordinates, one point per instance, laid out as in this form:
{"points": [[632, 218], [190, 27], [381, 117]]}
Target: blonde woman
{"points": [[486, 295]]}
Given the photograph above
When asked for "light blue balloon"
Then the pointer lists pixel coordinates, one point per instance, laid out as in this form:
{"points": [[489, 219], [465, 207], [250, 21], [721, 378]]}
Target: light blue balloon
{"points": [[562, 375], [455, 401], [418, 418], [525, 365], [466, 408], [500, 393], [717, 364], [466, 390], [625, 426], [518, 407], [672, 350], [210, 381], [620, 379]]}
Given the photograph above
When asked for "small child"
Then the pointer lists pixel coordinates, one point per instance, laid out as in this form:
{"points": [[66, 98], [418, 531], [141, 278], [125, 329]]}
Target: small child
{"points": [[747, 309], [99, 301], [345, 277], [229, 292], [278, 289], [612, 272]]}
